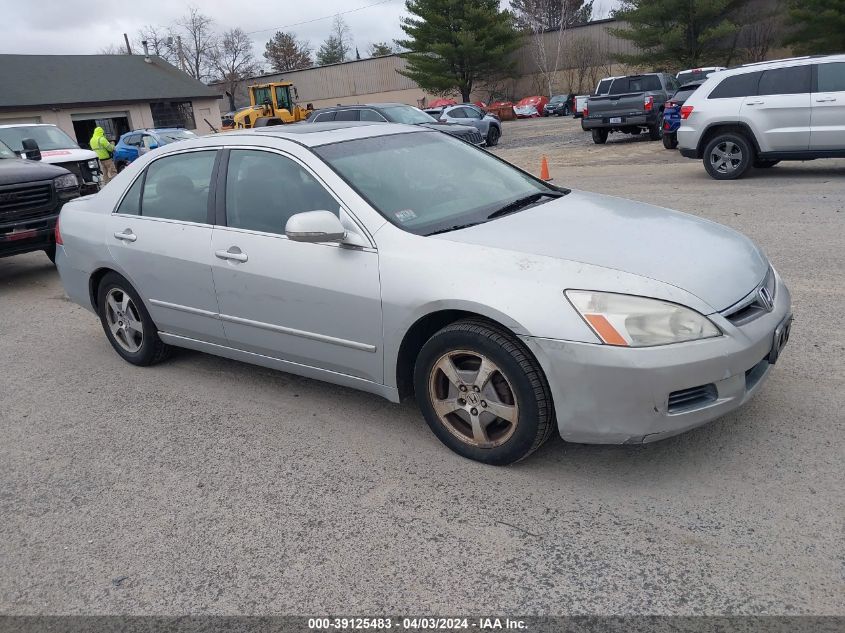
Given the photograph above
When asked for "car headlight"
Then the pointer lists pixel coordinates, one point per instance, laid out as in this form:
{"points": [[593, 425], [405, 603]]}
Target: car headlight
{"points": [[68, 181], [92, 164], [630, 321]]}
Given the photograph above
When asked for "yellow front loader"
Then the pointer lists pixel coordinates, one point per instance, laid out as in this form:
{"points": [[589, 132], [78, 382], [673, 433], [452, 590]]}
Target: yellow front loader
{"points": [[270, 104]]}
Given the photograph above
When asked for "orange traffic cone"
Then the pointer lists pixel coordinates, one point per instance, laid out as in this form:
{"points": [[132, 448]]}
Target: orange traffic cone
{"points": [[544, 169]]}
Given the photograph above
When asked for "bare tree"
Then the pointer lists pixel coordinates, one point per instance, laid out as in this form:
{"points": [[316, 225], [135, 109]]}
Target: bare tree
{"points": [[338, 45], [233, 61], [762, 31], [198, 43], [161, 42], [585, 62], [113, 49]]}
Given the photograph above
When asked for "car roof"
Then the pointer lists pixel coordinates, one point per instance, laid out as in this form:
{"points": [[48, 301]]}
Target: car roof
{"points": [[316, 134], [28, 125], [780, 63]]}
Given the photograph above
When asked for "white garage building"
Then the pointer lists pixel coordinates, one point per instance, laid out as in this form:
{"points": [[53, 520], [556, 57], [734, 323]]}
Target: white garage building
{"points": [[116, 92]]}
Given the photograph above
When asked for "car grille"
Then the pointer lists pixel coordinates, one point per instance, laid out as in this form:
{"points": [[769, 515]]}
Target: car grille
{"points": [[81, 170], [753, 305], [692, 398], [24, 201], [474, 137]]}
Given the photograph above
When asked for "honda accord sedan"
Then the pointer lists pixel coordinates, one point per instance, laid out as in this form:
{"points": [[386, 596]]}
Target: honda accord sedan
{"points": [[507, 306]]}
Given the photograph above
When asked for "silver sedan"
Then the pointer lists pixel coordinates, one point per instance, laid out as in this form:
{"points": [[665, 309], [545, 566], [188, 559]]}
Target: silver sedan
{"points": [[507, 306]]}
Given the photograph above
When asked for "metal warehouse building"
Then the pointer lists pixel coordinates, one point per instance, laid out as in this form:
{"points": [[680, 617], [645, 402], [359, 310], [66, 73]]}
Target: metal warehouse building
{"points": [[116, 92]]}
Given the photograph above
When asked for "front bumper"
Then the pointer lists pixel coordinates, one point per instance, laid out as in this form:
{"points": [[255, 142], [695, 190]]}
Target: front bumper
{"points": [[615, 395]]}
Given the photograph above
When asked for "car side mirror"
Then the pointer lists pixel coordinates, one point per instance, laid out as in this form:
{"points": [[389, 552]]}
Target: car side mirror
{"points": [[315, 226], [31, 149]]}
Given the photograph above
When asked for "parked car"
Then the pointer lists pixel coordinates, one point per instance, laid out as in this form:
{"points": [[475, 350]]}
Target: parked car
{"points": [[759, 114], [134, 143], [508, 306], [395, 113], [530, 107], [487, 125], [672, 113], [580, 104], [31, 195], [632, 105], [697, 74], [560, 105], [56, 148]]}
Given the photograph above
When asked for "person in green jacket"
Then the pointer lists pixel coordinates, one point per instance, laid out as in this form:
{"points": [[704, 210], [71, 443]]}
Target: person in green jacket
{"points": [[104, 150]]}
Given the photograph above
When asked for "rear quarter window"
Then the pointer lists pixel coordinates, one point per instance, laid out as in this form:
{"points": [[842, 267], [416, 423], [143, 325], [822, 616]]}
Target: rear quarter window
{"points": [[744, 85]]}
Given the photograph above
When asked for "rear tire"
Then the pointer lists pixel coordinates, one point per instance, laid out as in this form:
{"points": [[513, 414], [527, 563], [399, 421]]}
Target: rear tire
{"points": [[655, 132], [599, 136], [728, 156], [670, 140], [127, 324], [482, 393]]}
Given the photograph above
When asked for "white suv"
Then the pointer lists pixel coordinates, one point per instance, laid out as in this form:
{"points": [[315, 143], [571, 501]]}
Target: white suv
{"points": [[760, 114]]}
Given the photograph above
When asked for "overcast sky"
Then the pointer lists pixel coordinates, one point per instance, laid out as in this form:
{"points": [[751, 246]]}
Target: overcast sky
{"points": [[87, 26]]}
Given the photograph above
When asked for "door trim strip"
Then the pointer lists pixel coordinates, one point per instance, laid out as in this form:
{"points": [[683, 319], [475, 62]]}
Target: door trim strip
{"points": [[323, 338]]}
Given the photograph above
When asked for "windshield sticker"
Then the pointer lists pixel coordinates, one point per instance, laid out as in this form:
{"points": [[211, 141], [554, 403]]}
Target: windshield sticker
{"points": [[405, 215]]}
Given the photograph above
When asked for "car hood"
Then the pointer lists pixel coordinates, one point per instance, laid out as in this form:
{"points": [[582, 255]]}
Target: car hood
{"points": [[69, 155], [15, 170], [713, 262]]}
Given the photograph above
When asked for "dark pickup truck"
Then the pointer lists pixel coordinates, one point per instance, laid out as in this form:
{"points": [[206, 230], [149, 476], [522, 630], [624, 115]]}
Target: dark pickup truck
{"points": [[31, 196], [634, 104]]}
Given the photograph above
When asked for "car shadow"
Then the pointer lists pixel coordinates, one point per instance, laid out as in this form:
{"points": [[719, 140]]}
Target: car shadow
{"points": [[23, 270]]}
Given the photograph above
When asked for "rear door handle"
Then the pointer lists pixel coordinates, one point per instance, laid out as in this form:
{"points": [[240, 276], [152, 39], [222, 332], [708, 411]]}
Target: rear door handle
{"points": [[126, 236], [758, 102], [234, 254], [825, 99]]}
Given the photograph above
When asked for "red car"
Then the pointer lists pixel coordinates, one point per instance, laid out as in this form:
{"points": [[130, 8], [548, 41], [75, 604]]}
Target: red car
{"points": [[530, 107]]}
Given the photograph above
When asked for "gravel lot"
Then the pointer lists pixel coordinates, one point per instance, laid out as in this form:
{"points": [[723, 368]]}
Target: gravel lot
{"points": [[207, 486]]}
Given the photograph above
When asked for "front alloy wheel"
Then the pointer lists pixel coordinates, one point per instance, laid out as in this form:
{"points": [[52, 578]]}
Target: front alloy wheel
{"points": [[727, 157], [483, 393]]}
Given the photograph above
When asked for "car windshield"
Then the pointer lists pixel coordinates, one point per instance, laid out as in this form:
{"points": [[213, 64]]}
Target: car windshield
{"points": [[47, 136], [412, 180], [407, 114], [558, 99], [5, 152], [175, 135]]}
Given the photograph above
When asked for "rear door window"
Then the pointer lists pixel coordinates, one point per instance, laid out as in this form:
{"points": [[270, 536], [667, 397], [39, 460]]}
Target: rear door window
{"points": [[831, 77], [372, 115], [323, 117], [347, 115], [785, 81], [744, 85]]}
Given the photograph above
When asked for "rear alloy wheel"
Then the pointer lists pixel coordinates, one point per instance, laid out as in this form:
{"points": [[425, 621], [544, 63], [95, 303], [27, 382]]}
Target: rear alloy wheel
{"points": [[127, 323], [482, 393], [493, 135], [599, 136], [727, 156], [670, 140]]}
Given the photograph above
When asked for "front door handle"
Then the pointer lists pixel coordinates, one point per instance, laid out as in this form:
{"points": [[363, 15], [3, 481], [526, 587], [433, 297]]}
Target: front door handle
{"points": [[126, 236], [757, 102], [234, 254], [825, 99]]}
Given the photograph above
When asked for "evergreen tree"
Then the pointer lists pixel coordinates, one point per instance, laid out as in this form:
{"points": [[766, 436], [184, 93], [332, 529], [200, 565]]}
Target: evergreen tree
{"points": [[680, 33], [819, 24], [285, 53], [379, 49], [454, 45]]}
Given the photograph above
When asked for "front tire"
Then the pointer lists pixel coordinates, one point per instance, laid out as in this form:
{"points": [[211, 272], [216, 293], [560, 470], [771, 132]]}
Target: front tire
{"points": [[728, 156], [599, 136], [127, 324], [482, 393], [670, 140], [493, 136]]}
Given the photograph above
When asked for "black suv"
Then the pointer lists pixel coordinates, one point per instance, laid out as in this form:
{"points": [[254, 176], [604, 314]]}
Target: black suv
{"points": [[395, 113], [31, 196]]}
